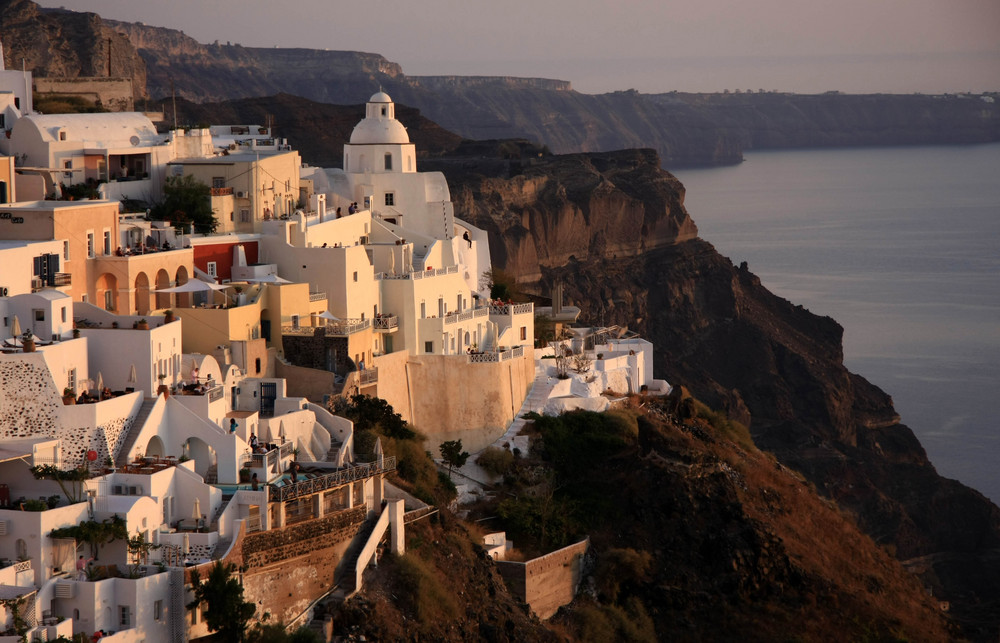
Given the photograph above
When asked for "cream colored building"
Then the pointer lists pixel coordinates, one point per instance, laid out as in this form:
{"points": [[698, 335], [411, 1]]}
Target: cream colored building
{"points": [[248, 188]]}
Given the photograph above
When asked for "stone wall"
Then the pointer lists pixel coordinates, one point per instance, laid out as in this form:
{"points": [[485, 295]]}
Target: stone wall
{"points": [[113, 94], [32, 407], [289, 568], [548, 582], [310, 350], [311, 383]]}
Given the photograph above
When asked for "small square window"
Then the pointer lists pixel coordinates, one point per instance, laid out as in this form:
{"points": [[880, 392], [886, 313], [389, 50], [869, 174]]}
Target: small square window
{"points": [[390, 198], [428, 347]]}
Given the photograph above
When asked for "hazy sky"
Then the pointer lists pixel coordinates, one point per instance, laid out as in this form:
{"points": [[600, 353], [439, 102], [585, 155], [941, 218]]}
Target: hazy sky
{"points": [[804, 46]]}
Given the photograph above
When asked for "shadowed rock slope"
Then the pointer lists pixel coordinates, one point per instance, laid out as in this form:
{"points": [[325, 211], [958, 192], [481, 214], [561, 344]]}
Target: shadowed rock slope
{"points": [[768, 363], [695, 535]]}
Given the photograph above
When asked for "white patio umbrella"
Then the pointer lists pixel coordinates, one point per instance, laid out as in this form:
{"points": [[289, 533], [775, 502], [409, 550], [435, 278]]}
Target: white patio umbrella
{"points": [[327, 315], [100, 382], [197, 509], [15, 328], [132, 376], [193, 285]]}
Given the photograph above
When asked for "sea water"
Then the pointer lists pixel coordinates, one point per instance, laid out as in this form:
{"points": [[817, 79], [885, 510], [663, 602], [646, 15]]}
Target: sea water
{"points": [[902, 247]]}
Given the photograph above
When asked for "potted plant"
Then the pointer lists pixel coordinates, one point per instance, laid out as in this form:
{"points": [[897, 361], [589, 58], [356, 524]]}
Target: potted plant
{"points": [[168, 316], [114, 324], [28, 342], [163, 388], [76, 333], [69, 396], [142, 324]]}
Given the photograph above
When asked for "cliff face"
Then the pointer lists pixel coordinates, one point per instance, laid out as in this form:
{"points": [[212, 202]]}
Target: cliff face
{"points": [[67, 44], [576, 208], [684, 129], [770, 364]]}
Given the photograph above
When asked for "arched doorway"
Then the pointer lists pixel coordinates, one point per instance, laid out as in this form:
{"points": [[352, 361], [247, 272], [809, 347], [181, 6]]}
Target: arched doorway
{"points": [[202, 454], [183, 299], [163, 299], [142, 294], [155, 448], [106, 291]]}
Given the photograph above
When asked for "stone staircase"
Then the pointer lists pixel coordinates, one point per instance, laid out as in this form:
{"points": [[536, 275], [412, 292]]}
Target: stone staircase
{"points": [[335, 444], [133, 434], [212, 475], [344, 582]]}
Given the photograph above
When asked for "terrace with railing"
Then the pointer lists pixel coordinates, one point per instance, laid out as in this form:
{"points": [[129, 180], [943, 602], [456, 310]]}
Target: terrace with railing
{"points": [[338, 478], [498, 356], [465, 315], [418, 274], [338, 329], [386, 322], [510, 309]]}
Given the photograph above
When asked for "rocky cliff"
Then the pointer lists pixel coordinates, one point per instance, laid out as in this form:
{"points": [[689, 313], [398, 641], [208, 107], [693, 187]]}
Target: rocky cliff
{"points": [[768, 363], [684, 129], [67, 44]]}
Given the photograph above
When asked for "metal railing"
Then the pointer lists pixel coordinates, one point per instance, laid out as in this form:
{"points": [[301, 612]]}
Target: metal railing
{"points": [[216, 393], [317, 296], [63, 279], [221, 191], [330, 480], [368, 376], [286, 450]]}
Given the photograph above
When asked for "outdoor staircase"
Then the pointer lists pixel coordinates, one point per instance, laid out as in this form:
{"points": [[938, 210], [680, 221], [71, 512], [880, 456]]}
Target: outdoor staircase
{"points": [[347, 580], [335, 444], [133, 433], [212, 475]]}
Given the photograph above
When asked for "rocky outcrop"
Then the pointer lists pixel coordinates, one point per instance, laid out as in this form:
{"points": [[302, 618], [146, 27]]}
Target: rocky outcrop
{"points": [[67, 44], [768, 363], [575, 208], [684, 129]]}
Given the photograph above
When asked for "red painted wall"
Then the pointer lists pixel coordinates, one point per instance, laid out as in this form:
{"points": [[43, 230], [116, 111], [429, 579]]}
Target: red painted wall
{"points": [[222, 255]]}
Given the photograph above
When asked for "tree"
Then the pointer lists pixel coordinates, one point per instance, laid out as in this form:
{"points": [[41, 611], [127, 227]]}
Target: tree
{"points": [[225, 610], [186, 200], [451, 452], [96, 534], [69, 480]]}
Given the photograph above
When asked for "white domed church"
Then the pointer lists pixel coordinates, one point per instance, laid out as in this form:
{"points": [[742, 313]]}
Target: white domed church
{"points": [[380, 168]]}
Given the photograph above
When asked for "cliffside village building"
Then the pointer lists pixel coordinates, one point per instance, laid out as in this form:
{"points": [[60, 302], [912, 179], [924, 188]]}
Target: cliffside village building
{"points": [[184, 374]]}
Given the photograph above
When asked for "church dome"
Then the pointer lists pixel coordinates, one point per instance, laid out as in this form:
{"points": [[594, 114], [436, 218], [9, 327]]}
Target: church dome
{"points": [[380, 127]]}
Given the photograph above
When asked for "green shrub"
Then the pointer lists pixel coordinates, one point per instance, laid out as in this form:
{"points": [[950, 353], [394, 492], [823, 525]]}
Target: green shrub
{"points": [[495, 460]]}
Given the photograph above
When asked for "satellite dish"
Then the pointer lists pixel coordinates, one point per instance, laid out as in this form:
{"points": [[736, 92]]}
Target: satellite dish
{"points": [[134, 140]]}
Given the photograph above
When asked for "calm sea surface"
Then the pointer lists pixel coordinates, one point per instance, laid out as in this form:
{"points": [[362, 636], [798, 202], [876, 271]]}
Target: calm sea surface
{"points": [[902, 247]]}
